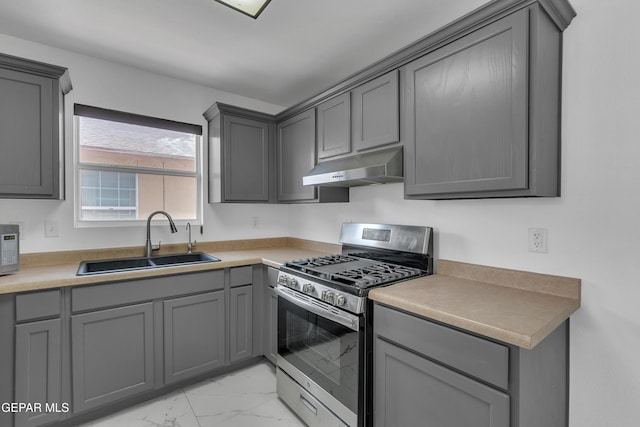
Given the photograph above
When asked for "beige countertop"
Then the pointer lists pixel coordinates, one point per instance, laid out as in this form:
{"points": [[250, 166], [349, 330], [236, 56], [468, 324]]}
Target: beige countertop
{"points": [[515, 307], [43, 271]]}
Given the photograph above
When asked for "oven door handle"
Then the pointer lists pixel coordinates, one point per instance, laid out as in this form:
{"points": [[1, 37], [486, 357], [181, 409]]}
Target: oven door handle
{"points": [[345, 319]]}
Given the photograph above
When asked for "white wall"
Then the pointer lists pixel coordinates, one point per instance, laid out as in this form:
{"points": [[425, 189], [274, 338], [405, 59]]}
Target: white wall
{"points": [[594, 228], [110, 85]]}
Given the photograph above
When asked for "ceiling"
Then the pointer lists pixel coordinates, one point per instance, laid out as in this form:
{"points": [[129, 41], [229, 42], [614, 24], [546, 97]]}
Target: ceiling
{"points": [[294, 50]]}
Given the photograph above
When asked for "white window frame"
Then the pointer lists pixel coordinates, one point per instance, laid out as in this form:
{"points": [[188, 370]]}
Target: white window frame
{"points": [[78, 166]]}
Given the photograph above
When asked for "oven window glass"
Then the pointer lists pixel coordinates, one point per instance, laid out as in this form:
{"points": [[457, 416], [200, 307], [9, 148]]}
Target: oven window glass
{"points": [[325, 351]]}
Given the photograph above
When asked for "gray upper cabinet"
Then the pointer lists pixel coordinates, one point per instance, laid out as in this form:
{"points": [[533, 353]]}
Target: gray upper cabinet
{"points": [[334, 126], [241, 155], [296, 152], [296, 156], [482, 112], [478, 100], [31, 128], [375, 118]]}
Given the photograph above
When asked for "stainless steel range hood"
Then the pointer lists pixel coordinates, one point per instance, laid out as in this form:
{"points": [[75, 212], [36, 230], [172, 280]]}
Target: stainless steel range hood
{"points": [[377, 167]]}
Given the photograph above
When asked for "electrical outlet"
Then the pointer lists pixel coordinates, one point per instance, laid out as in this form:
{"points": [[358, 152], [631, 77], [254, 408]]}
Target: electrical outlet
{"points": [[538, 240], [51, 228]]}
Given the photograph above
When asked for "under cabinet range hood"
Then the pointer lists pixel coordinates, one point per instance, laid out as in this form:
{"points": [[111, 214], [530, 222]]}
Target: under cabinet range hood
{"points": [[377, 167]]}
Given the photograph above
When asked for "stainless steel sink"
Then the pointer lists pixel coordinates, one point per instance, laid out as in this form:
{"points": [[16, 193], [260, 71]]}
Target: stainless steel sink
{"points": [[142, 263]]}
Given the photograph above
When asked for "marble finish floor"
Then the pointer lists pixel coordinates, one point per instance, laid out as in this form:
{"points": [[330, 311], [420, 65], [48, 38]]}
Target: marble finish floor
{"points": [[243, 398]]}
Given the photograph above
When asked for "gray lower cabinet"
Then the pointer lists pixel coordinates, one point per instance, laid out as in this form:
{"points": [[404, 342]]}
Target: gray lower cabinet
{"points": [[482, 112], [112, 355], [270, 319], [38, 354], [427, 373], [375, 117], [241, 155], [240, 323], [84, 350], [31, 123], [38, 371], [271, 352], [194, 331], [410, 389]]}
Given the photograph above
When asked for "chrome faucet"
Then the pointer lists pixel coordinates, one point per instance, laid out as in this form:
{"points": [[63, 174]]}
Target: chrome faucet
{"points": [[149, 248], [190, 245]]}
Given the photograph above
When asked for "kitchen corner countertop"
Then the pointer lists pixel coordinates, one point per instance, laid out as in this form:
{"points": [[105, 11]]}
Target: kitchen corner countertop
{"points": [[59, 269], [516, 307]]}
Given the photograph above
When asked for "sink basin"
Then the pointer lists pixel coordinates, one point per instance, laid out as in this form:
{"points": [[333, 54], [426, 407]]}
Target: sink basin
{"points": [[113, 265], [179, 259], [130, 264]]}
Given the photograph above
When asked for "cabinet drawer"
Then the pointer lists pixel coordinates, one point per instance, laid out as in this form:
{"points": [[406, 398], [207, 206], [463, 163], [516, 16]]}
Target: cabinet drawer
{"points": [[129, 292], [37, 305], [240, 276], [483, 359]]}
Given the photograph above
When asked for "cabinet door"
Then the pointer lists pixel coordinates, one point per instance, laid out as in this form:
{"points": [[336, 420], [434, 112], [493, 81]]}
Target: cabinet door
{"points": [[112, 355], [193, 335], [334, 126], [410, 390], [376, 115], [246, 159], [270, 325], [28, 157], [240, 323], [467, 113], [38, 371], [296, 156]]}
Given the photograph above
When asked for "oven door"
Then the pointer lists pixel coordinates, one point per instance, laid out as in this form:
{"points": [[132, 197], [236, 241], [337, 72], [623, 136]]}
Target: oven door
{"points": [[326, 345]]}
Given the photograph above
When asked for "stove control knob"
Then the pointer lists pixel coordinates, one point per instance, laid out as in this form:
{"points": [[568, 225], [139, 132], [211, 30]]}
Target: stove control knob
{"points": [[292, 282], [340, 300], [327, 296], [308, 288], [282, 280]]}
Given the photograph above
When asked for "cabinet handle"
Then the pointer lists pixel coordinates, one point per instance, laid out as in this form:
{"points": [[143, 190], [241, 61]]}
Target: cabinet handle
{"points": [[309, 405]]}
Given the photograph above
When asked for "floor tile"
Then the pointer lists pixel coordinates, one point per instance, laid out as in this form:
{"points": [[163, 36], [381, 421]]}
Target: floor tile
{"points": [[242, 398], [172, 410]]}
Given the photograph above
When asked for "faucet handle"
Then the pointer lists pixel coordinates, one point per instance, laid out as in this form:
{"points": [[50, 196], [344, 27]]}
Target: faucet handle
{"points": [[156, 247]]}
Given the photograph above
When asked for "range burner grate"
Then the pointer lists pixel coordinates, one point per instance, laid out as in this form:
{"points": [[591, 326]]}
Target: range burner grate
{"points": [[321, 261], [375, 274], [353, 271]]}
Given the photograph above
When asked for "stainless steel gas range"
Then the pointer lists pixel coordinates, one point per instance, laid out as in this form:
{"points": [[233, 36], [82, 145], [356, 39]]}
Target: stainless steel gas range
{"points": [[325, 319]]}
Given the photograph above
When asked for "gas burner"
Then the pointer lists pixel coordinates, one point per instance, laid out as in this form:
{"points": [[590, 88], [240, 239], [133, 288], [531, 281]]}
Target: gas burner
{"points": [[376, 274], [322, 261]]}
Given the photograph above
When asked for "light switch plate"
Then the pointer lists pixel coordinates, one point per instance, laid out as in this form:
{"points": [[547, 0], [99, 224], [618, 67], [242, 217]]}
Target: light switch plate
{"points": [[51, 228]]}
